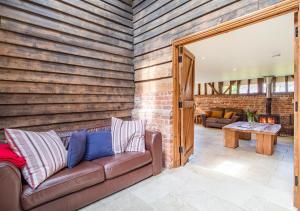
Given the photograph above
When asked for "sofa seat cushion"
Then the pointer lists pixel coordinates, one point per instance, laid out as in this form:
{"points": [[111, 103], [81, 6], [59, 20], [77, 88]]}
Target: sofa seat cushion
{"points": [[66, 181], [123, 163], [212, 120], [224, 121]]}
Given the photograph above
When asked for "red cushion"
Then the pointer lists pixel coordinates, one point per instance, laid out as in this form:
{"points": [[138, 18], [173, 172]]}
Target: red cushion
{"points": [[6, 154]]}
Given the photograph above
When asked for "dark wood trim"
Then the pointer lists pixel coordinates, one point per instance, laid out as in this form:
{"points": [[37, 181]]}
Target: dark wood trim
{"points": [[228, 89], [220, 84], [238, 86], [52, 34], [286, 80], [274, 84], [212, 86], [260, 83], [249, 82]]}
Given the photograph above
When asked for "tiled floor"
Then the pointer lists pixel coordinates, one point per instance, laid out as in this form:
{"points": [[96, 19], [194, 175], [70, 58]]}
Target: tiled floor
{"points": [[216, 178]]}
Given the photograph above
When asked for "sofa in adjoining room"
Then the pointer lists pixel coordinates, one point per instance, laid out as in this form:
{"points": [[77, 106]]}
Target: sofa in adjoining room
{"points": [[87, 182], [219, 117]]}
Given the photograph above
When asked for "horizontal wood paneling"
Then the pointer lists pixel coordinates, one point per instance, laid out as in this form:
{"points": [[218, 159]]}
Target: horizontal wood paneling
{"points": [[42, 77], [51, 67], [60, 24], [119, 8], [21, 99], [169, 18], [44, 55], [113, 18], [47, 88], [163, 9], [125, 5], [62, 37], [23, 121], [154, 72], [65, 64], [232, 10], [154, 58], [40, 109], [143, 5], [18, 39], [150, 9]]}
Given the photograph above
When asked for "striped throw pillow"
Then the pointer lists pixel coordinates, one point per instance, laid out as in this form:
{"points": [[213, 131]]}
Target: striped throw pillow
{"points": [[44, 153], [128, 136]]}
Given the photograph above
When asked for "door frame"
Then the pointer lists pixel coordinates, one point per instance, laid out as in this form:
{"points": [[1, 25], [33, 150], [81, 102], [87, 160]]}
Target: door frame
{"points": [[281, 8]]}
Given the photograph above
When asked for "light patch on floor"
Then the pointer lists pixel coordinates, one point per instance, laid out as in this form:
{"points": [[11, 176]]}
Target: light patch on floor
{"points": [[215, 179]]}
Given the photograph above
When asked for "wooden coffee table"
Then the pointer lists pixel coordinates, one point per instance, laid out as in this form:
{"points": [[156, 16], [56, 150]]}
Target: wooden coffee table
{"points": [[266, 135]]}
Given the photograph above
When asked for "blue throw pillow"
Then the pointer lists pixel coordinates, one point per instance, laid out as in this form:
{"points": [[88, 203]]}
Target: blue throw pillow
{"points": [[76, 148], [98, 144]]}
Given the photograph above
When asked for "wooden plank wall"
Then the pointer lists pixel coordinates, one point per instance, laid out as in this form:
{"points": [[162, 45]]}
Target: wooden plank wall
{"points": [[65, 64], [156, 24]]}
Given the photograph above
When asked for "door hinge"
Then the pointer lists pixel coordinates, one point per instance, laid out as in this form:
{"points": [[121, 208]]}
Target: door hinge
{"points": [[296, 180], [296, 31], [180, 104], [181, 149], [296, 106], [180, 59]]}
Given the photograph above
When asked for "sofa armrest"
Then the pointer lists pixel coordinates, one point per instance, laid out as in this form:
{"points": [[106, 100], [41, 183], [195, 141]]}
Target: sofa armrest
{"points": [[203, 117], [11, 187], [153, 141], [234, 118]]}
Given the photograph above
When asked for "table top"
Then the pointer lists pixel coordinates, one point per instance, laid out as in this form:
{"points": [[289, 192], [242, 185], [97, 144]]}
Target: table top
{"points": [[262, 128]]}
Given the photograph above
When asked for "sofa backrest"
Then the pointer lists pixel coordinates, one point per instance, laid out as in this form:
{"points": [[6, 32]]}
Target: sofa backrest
{"points": [[238, 112], [218, 109], [65, 135]]}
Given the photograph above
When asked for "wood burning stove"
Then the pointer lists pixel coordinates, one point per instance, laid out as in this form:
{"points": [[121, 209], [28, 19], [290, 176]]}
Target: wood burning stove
{"points": [[268, 117]]}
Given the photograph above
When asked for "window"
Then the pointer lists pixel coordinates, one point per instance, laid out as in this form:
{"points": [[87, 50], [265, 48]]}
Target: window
{"points": [[234, 88], [290, 84], [253, 86], [264, 88], [225, 87], [280, 84], [209, 90], [244, 87]]}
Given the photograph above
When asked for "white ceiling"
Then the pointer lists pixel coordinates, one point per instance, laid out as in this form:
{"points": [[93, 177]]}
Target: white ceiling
{"points": [[247, 52]]}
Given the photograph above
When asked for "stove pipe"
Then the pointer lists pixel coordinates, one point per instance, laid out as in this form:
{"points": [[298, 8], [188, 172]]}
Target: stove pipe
{"points": [[268, 81]]}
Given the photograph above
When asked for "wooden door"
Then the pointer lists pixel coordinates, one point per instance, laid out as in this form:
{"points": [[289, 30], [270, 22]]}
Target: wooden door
{"points": [[296, 114], [186, 103]]}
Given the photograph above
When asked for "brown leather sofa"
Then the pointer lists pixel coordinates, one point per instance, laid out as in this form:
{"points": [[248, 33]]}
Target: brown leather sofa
{"points": [[71, 189], [208, 121]]}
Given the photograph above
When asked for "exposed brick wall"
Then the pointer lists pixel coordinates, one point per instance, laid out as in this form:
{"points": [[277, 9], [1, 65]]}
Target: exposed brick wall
{"points": [[281, 104], [156, 108]]}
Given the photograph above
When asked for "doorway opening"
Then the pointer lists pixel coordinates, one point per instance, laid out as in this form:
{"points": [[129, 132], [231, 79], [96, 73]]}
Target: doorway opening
{"points": [[225, 77]]}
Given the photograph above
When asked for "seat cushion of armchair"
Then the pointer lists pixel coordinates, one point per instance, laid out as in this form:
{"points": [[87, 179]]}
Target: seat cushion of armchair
{"points": [[123, 163], [66, 181]]}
